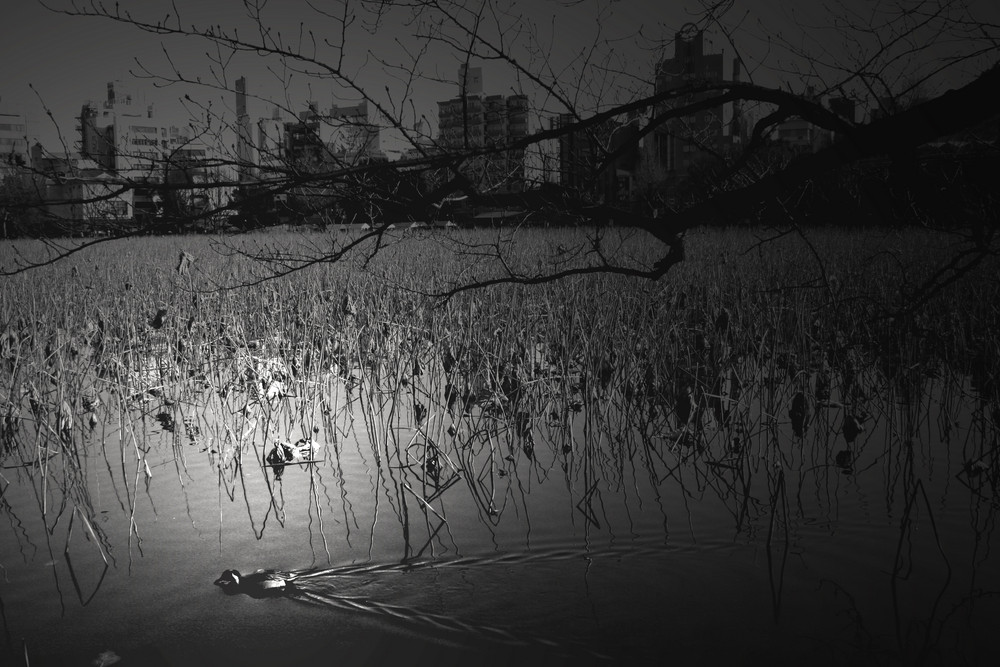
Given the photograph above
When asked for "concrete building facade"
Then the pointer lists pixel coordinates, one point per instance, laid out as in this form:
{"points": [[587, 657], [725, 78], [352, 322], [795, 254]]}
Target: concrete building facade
{"points": [[125, 138], [339, 137], [681, 142], [577, 155], [472, 121], [78, 188], [245, 159], [123, 135], [270, 145], [13, 140]]}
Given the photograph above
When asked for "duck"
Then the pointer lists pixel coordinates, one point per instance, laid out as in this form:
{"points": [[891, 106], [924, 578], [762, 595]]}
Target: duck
{"points": [[261, 583]]}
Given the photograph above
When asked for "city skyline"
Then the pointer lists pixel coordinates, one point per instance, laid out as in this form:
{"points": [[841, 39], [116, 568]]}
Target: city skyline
{"points": [[58, 62], [44, 41]]}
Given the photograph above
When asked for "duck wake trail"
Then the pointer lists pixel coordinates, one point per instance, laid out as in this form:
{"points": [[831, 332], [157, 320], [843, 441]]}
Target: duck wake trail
{"points": [[327, 587], [652, 548]]}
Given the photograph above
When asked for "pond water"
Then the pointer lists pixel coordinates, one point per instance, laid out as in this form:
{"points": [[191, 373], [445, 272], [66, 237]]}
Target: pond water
{"points": [[434, 517]]}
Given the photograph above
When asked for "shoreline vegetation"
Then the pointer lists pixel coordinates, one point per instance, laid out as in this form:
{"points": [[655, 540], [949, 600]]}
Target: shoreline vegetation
{"points": [[754, 341], [863, 276], [828, 297]]}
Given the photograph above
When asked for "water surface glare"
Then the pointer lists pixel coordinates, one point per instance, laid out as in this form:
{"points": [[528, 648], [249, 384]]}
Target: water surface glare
{"points": [[574, 526]]}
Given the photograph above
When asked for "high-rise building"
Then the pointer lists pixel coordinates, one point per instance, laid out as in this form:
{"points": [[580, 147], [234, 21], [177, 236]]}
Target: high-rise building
{"points": [[13, 140], [585, 158], [460, 122], [351, 132], [123, 136], [474, 121], [577, 155], [340, 137], [96, 137], [244, 150], [680, 142], [470, 80], [197, 175], [270, 144]]}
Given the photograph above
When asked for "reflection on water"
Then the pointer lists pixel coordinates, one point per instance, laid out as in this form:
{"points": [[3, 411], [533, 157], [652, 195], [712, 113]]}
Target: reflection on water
{"points": [[820, 510], [355, 589]]}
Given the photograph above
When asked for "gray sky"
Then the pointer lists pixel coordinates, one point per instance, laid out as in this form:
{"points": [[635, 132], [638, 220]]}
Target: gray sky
{"points": [[68, 60]]}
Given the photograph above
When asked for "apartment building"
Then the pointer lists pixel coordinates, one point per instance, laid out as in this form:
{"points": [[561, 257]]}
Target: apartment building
{"points": [[473, 121]]}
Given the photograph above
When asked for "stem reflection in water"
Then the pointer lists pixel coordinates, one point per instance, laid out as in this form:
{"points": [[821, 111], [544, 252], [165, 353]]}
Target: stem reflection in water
{"points": [[461, 452]]}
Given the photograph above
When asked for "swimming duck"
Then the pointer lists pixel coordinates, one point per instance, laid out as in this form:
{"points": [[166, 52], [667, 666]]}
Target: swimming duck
{"points": [[258, 584]]}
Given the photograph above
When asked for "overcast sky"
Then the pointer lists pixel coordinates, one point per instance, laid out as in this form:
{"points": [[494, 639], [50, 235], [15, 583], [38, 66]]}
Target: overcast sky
{"points": [[69, 60]]}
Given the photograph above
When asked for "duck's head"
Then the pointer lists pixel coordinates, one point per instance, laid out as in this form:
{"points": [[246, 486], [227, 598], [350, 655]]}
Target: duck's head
{"points": [[229, 581]]}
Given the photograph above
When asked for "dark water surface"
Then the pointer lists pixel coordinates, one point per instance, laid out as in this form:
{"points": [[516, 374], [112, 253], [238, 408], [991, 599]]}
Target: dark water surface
{"points": [[598, 531]]}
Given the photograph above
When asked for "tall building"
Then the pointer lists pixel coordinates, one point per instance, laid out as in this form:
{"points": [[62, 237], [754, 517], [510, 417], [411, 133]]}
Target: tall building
{"points": [[270, 144], [348, 133], [198, 175], [244, 152], [123, 135], [461, 122], [13, 140], [303, 149], [585, 158], [577, 155], [683, 141], [470, 80], [339, 137], [422, 143], [96, 137], [474, 121], [125, 138]]}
